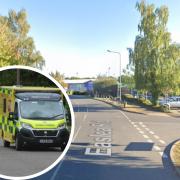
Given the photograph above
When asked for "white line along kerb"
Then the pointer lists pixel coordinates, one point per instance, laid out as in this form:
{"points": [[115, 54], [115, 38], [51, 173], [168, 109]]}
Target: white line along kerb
{"points": [[72, 123]]}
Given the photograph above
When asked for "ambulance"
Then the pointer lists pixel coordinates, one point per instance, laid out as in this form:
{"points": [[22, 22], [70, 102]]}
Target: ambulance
{"points": [[33, 116]]}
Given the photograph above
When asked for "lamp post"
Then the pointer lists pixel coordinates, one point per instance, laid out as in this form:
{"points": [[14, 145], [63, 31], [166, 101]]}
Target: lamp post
{"points": [[119, 85]]}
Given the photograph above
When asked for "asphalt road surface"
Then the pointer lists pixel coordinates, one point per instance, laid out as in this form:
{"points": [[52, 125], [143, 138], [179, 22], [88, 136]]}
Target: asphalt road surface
{"points": [[26, 162], [118, 145], [110, 144]]}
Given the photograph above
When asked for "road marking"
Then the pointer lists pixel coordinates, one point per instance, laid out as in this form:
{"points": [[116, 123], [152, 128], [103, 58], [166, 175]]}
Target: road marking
{"points": [[142, 132], [149, 140], [157, 148], [151, 132], [124, 115], [57, 170], [77, 132], [147, 129], [135, 125], [161, 141], [157, 137], [138, 129], [145, 136], [85, 116], [141, 123]]}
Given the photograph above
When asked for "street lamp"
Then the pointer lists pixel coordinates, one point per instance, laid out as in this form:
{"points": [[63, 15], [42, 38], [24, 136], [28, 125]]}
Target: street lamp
{"points": [[119, 85]]}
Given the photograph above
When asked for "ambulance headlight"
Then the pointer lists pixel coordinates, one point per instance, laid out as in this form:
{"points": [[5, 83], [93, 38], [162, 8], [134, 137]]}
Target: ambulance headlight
{"points": [[26, 125]]}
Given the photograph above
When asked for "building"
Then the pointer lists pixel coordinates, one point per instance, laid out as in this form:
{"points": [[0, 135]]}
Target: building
{"points": [[80, 85]]}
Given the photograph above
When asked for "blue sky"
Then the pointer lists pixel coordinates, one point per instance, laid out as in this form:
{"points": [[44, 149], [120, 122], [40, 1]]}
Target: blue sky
{"points": [[73, 36]]}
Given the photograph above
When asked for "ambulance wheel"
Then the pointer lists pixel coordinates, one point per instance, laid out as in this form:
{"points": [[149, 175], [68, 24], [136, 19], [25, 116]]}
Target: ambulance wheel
{"points": [[18, 143], [6, 143], [63, 145]]}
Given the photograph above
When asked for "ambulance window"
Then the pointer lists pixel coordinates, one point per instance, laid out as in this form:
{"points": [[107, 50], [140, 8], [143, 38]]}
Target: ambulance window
{"points": [[4, 105]]}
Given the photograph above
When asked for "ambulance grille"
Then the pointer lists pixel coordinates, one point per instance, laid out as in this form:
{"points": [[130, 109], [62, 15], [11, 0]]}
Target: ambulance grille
{"points": [[45, 133]]}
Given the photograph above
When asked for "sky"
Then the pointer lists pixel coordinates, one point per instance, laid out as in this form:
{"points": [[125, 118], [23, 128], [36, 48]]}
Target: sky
{"points": [[73, 35]]}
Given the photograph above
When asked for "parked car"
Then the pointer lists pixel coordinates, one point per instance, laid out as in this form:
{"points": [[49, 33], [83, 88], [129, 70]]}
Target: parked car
{"points": [[171, 102]]}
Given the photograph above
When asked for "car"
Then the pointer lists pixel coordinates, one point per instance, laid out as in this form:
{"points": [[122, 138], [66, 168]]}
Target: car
{"points": [[171, 102]]}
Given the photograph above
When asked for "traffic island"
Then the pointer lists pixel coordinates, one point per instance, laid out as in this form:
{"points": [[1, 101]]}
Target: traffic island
{"points": [[175, 156]]}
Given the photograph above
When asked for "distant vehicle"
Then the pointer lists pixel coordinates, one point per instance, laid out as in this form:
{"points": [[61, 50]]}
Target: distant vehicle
{"points": [[171, 102]]}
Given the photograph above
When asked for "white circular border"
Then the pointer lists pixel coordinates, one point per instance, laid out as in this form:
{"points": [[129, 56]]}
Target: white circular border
{"points": [[72, 126]]}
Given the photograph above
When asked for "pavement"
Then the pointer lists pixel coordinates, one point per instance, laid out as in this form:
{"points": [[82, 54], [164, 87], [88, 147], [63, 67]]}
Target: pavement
{"points": [[110, 143]]}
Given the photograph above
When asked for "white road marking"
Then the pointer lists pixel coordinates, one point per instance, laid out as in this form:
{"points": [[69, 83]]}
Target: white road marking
{"points": [[57, 170], [140, 122], [151, 132], [77, 132], [138, 129], [147, 129], [161, 141], [145, 136], [149, 140], [135, 125], [157, 137], [142, 132], [143, 125], [157, 148], [124, 115]]}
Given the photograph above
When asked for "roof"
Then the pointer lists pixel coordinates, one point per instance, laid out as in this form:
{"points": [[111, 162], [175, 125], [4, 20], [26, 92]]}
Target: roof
{"points": [[77, 81]]}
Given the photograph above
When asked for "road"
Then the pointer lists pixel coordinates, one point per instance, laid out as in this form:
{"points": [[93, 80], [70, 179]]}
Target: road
{"points": [[137, 145], [26, 162]]}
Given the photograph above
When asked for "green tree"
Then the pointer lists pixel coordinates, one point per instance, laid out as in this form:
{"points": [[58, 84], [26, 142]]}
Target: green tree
{"points": [[59, 78], [155, 58], [16, 47], [106, 86]]}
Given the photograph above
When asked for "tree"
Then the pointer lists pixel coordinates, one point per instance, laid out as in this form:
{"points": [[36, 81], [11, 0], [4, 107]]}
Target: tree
{"points": [[59, 78], [106, 86], [155, 58], [16, 47]]}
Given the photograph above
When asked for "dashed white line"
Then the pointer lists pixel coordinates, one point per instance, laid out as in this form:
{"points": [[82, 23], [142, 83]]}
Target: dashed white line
{"points": [[149, 140], [142, 132], [145, 136], [161, 141], [157, 148], [151, 132], [157, 137], [147, 129], [138, 129]]}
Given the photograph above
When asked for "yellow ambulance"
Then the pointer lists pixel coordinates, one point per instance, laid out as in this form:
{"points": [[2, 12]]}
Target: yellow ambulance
{"points": [[32, 116]]}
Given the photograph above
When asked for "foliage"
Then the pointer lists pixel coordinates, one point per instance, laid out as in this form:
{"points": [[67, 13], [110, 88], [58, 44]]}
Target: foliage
{"points": [[106, 86], [155, 58], [59, 78], [16, 47]]}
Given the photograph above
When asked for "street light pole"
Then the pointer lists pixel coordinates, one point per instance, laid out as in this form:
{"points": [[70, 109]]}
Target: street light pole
{"points": [[119, 85]]}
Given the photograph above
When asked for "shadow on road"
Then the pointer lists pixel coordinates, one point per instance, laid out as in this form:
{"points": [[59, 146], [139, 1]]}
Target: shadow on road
{"points": [[37, 149], [119, 167]]}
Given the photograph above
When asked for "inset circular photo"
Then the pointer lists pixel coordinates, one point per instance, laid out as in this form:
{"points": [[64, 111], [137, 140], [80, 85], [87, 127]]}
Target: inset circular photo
{"points": [[36, 122]]}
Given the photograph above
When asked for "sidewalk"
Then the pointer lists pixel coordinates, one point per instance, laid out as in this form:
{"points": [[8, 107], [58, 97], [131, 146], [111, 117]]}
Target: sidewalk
{"points": [[134, 108], [175, 156]]}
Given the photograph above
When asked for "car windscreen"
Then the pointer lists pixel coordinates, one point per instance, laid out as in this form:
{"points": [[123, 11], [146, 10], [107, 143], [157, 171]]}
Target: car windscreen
{"points": [[51, 110]]}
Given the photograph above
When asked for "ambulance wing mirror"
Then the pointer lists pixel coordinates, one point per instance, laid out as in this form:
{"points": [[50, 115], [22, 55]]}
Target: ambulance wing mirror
{"points": [[11, 116]]}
